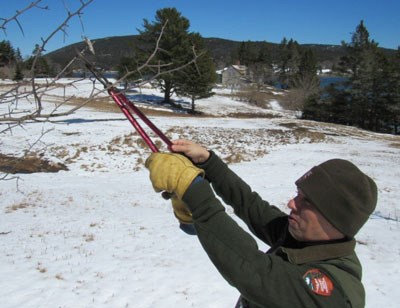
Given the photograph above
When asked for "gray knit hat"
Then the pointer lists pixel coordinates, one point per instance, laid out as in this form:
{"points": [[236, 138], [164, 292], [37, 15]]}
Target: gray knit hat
{"points": [[342, 193]]}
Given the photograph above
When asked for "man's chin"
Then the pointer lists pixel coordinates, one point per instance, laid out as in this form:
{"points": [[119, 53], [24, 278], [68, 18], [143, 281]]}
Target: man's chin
{"points": [[294, 233]]}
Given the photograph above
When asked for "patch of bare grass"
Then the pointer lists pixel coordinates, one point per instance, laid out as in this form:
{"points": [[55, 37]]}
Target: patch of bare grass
{"points": [[28, 164], [258, 97], [41, 268], [30, 201], [106, 104], [16, 207], [289, 125], [302, 133], [88, 237]]}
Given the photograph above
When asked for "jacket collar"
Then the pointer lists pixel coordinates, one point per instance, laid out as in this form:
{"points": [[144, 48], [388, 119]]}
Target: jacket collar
{"points": [[318, 252]]}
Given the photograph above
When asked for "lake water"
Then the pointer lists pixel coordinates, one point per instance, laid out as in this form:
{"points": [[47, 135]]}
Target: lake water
{"points": [[324, 81], [327, 80]]}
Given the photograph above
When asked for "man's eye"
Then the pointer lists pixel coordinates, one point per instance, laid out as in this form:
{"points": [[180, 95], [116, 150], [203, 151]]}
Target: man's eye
{"points": [[307, 202]]}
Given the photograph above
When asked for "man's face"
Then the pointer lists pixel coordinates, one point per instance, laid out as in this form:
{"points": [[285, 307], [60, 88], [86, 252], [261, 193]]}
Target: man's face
{"points": [[306, 223]]}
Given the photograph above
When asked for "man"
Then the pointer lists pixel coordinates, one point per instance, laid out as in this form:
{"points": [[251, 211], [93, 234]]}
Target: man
{"points": [[311, 262]]}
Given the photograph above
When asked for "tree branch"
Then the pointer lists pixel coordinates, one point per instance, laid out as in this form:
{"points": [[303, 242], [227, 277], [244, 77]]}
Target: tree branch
{"points": [[5, 21]]}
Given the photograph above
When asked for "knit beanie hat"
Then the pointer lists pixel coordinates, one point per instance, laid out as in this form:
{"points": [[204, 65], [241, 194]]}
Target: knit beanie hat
{"points": [[343, 194]]}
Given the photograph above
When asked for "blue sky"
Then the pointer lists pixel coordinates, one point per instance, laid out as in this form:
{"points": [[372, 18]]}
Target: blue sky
{"points": [[307, 21]]}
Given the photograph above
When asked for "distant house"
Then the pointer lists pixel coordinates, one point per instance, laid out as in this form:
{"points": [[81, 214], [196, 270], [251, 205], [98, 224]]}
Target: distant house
{"points": [[234, 76]]}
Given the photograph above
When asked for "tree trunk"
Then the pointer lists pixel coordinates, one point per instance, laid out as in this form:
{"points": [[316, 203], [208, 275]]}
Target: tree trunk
{"points": [[167, 93], [193, 106]]}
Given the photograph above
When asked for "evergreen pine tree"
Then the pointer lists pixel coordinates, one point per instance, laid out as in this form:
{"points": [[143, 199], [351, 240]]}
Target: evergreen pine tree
{"points": [[175, 48], [247, 53], [306, 76], [294, 60], [41, 67], [7, 53], [18, 76], [288, 62], [197, 80], [367, 86], [393, 78], [38, 64], [18, 55], [261, 70], [242, 53], [283, 60], [306, 81]]}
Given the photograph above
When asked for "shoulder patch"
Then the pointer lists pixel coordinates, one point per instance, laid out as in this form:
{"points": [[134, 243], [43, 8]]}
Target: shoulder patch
{"points": [[318, 282]]}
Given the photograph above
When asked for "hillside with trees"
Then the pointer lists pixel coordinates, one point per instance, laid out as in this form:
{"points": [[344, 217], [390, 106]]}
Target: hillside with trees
{"points": [[110, 51]]}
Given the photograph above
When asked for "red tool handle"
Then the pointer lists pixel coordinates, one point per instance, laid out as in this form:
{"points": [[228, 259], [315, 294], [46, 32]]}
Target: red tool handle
{"points": [[126, 106]]}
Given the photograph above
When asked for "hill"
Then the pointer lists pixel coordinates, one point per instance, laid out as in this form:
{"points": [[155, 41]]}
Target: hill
{"points": [[110, 50]]}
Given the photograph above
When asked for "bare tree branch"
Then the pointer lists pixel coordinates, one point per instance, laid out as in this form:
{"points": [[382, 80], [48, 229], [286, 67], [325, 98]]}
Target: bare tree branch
{"points": [[19, 13], [36, 92], [30, 94], [33, 101]]}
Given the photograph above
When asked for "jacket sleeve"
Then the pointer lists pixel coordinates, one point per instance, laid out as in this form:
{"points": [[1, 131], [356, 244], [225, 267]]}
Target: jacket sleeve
{"points": [[261, 278], [259, 215]]}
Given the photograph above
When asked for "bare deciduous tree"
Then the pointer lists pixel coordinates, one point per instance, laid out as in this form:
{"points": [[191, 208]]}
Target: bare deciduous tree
{"points": [[30, 90], [28, 100]]}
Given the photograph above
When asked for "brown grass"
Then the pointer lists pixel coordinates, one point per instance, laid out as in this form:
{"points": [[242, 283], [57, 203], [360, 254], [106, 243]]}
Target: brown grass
{"points": [[16, 207], [28, 164], [106, 104], [40, 268], [88, 237], [303, 133]]}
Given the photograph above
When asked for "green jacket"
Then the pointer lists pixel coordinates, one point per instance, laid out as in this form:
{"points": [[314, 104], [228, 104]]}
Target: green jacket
{"points": [[291, 273]]}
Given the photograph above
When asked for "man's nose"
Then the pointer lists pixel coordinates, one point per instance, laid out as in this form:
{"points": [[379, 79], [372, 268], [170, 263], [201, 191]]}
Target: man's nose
{"points": [[291, 204]]}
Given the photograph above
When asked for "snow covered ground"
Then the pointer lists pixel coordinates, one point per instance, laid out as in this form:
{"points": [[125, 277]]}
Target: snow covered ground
{"points": [[98, 236]]}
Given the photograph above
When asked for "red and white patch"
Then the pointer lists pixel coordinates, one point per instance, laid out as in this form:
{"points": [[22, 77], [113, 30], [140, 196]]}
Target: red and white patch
{"points": [[318, 282]]}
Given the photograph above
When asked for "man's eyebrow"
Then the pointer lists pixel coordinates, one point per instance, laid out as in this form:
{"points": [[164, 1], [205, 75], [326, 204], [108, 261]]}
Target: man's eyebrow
{"points": [[305, 198]]}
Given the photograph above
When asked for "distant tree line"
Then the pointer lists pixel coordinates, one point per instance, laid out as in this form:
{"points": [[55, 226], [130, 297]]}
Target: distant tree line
{"points": [[10, 61], [14, 67]]}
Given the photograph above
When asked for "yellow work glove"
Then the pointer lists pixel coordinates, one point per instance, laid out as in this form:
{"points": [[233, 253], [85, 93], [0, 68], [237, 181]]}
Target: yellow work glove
{"points": [[181, 211], [172, 172]]}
